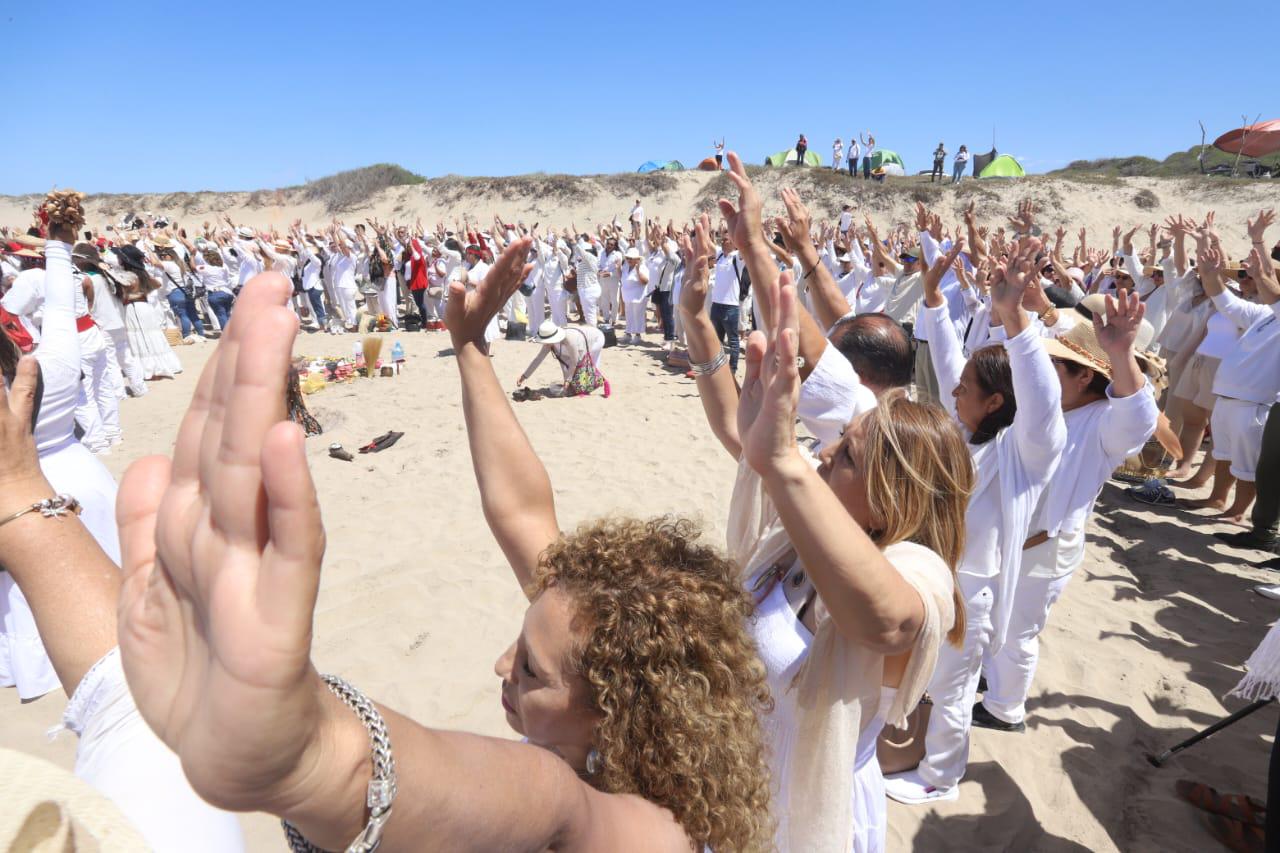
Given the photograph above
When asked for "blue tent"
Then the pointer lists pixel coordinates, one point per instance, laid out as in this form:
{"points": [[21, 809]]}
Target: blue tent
{"points": [[667, 166], [650, 166]]}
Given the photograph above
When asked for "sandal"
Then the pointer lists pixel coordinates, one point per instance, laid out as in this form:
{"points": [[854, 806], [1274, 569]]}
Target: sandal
{"points": [[1153, 492], [382, 442], [1235, 806], [1234, 835]]}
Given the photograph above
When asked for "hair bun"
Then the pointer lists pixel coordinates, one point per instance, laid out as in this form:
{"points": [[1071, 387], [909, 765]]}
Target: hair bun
{"points": [[64, 208]]}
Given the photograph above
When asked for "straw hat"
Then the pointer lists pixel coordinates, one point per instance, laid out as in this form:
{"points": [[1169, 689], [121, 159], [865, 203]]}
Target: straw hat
{"points": [[49, 809], [550, 333], [162, 241], [1080, 346], [87, 252], [282, 246], [633, 254], [1096, 303], [20, 251]]}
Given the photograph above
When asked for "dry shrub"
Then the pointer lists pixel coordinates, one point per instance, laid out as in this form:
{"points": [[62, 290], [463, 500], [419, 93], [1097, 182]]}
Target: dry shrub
{"points": [[353, 188], [1146, 200]]}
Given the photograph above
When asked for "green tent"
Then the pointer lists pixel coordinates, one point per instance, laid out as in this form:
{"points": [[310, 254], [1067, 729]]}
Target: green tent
{"points": [[889, 161], [673, 166], [1003, 166], [783, 158]]}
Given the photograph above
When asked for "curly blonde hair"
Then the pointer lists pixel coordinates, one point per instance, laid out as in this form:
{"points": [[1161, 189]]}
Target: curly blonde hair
{"points": [[661, 640]]}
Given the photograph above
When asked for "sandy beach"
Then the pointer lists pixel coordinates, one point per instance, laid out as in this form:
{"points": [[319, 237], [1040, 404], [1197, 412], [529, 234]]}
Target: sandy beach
{"points": [[416, 601]]}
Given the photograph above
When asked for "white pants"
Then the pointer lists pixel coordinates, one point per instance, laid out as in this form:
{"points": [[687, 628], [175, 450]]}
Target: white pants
{"points": [[537, 308], [434, 306], [589, 297], [560, 307], [98, 410], [516, 306], [387, 294], [608, 299], [637, 305], [1011, 671], [125, 362], [347, 304], [1237, 435], [954, 688], [122, 758]]}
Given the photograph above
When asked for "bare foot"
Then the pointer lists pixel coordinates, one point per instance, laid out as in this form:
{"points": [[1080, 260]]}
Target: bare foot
{"points": [[1206, 503], [1236, 519], [1189, 485]]}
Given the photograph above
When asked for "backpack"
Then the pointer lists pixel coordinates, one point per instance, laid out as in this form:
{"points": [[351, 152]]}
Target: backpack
{"points": [[376, 269]]}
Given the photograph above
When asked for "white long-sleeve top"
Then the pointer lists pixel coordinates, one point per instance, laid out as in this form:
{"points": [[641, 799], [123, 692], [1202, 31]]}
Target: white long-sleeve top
{"points": [[1100, 436], [1011, 470], [212, 276], [311, 266], [250, 265], [1184, 318], [1251, 371]]}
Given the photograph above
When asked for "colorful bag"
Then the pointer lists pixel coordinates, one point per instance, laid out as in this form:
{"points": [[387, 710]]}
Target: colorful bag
{"points": [[586, 376]]}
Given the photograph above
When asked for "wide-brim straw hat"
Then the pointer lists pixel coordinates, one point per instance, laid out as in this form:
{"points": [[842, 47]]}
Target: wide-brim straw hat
{"points": [[283, 246], [1080, 346], [550, 333], [161, 241]]}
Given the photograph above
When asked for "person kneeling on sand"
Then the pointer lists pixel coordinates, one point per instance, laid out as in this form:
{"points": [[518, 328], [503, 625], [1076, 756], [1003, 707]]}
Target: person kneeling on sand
{"points": [[577, 348]]}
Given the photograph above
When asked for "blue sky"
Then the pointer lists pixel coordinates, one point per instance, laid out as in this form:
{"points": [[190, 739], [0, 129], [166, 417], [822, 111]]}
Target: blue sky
{"points": [[171, 96]]}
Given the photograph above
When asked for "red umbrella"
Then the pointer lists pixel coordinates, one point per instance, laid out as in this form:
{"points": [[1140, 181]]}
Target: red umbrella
{"points": [[1262, 139]]}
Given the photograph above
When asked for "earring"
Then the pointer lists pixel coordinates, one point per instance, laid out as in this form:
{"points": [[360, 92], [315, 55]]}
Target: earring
{"points": [[594, 762]]}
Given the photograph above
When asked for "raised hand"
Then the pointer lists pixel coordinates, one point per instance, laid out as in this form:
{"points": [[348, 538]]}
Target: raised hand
{"points": [[696, 253], [743, 220], [932, 279], [222, 549], [922, 217], [795, 229], [1118, 330], [1257, 227], [469, 311], [771, 389], [1012, 276]]}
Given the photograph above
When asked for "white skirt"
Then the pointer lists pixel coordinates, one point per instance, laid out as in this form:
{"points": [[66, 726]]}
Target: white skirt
{"points": [[72, 469], [148, 343]]}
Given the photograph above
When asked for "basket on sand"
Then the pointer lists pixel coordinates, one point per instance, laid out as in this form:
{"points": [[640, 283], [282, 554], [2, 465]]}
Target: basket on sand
{"points": [[174, 337]]}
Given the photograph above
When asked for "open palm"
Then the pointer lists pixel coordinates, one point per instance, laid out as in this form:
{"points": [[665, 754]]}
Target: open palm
{"points": [[221, 556], [771, 389]]}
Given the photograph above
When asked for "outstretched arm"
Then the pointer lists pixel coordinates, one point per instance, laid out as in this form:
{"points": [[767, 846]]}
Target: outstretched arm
{"points": [[718, 390], [515, 490]]}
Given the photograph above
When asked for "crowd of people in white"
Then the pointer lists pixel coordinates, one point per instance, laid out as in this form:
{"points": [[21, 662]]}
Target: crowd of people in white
{"points": [[964, 394]]}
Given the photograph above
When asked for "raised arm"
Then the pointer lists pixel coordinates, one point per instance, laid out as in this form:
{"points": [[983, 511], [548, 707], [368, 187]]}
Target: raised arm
{"points": [[716, 386], [515, 491], [239, 486], [869, 601], [1038, 427]]}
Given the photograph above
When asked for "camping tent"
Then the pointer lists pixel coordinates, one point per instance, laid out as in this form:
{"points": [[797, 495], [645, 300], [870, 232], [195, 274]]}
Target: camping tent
{"points": [[783, 158], [1003, 166], [1262, 139], [981, 161], [889, 161], [665, 166], [709, 165]]}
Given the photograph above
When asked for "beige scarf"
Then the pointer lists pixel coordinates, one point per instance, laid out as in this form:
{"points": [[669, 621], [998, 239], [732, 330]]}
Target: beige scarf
{"points": [[839, 685]]}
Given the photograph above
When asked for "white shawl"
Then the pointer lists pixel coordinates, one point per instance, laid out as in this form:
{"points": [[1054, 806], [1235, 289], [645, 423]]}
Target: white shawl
{"points": [[839, 683]]}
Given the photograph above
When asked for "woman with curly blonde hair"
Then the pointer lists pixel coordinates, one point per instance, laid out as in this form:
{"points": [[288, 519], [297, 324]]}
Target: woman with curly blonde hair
{"points": [[633, 680]]}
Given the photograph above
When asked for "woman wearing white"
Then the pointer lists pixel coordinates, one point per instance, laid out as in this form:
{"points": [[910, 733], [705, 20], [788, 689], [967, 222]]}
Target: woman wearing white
{"points": [[1014, 458], [142, 320], [66, 463], [634, 275], [850, 611], [588, 267], [108, 312], [1110, 411]]}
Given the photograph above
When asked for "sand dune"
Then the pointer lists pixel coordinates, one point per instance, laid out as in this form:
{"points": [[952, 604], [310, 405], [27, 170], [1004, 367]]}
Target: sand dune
{"points": [[1097, 204]]}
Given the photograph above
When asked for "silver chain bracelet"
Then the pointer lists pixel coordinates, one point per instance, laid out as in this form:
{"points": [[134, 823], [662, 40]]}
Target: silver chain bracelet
{"points": [[382, 787], [706, 368]]}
